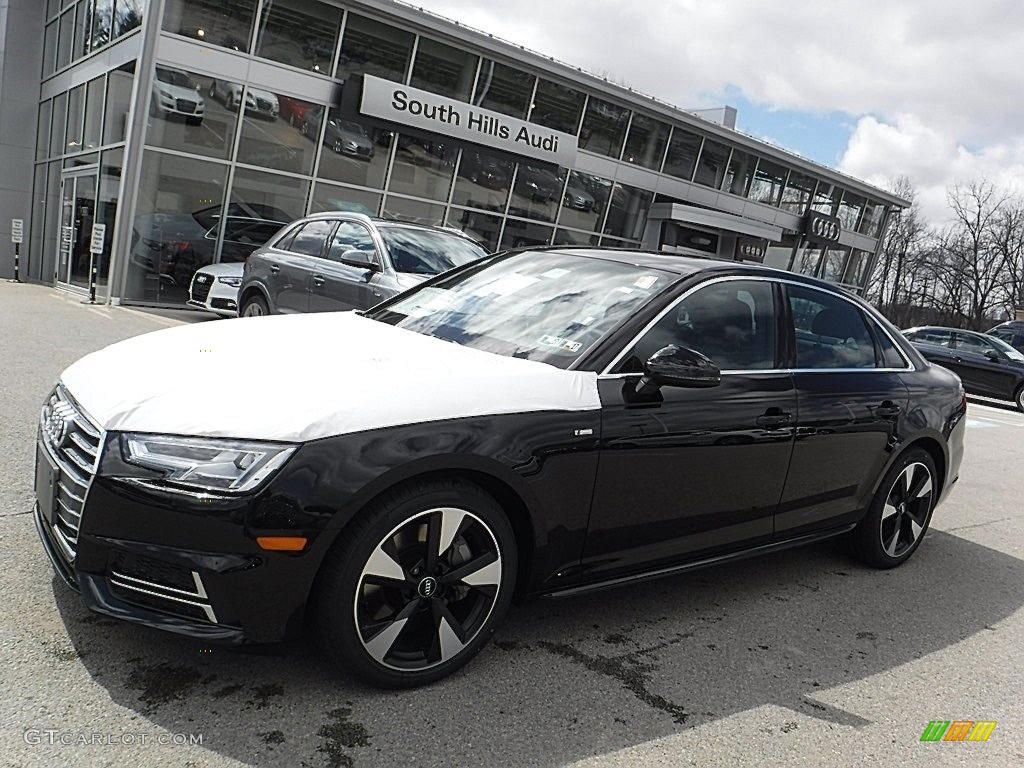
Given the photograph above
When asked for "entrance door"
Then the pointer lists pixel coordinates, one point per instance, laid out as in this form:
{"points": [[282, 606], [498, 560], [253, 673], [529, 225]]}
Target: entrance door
{"points": [[78, 212]]}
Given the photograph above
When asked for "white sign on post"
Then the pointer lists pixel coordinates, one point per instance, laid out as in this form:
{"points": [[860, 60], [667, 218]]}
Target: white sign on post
{"points": [[17, 231], [99, 232]]}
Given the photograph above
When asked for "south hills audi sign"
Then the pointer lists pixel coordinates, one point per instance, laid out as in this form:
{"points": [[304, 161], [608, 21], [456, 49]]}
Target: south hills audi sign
{"points": [[401, 104]]}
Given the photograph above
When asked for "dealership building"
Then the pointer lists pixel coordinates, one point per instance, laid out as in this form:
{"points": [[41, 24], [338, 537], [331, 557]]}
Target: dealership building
{"points": [[142, 139]]}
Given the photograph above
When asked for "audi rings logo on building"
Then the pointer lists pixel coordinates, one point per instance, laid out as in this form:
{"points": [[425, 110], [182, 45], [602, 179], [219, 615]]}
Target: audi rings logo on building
{"points": [[823, 228]]}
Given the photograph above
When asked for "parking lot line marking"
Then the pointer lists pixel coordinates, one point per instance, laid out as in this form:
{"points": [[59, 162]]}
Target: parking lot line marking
{"points": [[982, 424]]}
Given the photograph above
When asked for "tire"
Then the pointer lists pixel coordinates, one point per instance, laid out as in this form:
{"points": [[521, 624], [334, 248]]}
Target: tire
{"points": [[894, 526], [255, 306], [1019, 399], [393, 618], [194, 120]]}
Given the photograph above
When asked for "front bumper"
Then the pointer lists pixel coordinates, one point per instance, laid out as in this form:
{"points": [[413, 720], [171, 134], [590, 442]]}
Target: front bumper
{"points": [[187, 563]]}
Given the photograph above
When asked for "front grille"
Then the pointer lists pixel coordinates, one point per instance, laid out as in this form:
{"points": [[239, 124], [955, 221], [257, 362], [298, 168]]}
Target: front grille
{"points": [[363, 150], [184, 105], [163, 586], [263, 105], [201, 285], [73, 443]]}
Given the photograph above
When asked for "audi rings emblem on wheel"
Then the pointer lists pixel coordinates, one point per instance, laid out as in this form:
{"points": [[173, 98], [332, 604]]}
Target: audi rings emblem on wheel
{"points": [[906, 509], [427, 589]]}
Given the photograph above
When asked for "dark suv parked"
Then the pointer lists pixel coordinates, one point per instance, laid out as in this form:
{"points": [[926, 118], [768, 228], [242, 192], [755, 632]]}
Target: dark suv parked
{"points": [[987, 365], [338, 261], [1011, 332]]}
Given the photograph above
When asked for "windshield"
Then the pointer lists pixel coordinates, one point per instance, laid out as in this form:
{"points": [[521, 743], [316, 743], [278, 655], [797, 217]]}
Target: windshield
{"points": [[427, 252], [1006, 349], [541, 306], [173, 77]]}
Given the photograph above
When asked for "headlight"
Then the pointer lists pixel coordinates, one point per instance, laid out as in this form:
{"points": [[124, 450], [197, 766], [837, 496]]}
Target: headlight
{"points": [[234, 282], [235, 466]]}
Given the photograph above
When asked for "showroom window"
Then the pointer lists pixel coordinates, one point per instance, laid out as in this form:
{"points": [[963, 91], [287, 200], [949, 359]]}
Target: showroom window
{"points": [[65, 38], [268, 196], [504, 89], [118, 103], [769, 179], [571, 237], [333, 197], [483, 228], [106, 208], [185, 116], [850, 210], [43, 130], [94, 91], [373, 48], [859, 261], [268, 143], [826, 199], [834, 264], [483, 181], [557, 106], [102, 24], [300, 33], [604, 127], [50, 48], [225, 23], [83, 29], [524, 234], [627, 211], [711, 166], [645, 145], [354, 152], [537, 191], [681, 159], [584, 201], [59, 124], [797, 195], [175, 227], [76, 115], [442, 69], [416, 211], [740, 173], [312, 238], [422, 168], [830, 331], [127, 16], [808, 260], [732, 323], [871, 223]]}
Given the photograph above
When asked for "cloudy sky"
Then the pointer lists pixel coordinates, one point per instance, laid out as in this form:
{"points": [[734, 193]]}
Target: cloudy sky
{"points": [[928, 88]]}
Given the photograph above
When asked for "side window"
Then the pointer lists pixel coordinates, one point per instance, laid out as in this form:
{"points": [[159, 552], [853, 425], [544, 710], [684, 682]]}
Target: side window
{"points": [[970, 343], [891, 355], [1003, 333], [310, 240], [934, 336], [285, 241], [830, 331], [732, 323], [350, 236]]}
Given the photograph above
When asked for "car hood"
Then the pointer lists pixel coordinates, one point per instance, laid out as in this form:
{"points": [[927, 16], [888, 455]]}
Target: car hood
{"points": [[178, 91], [224, 269], [295, 378]]}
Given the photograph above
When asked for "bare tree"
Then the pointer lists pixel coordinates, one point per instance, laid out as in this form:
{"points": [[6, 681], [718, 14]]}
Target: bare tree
{"points": [[1007, 235]]}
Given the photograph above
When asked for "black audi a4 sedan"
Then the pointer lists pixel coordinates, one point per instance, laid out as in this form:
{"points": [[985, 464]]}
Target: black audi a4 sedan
{"points": [[986, 365], [542, 422]]}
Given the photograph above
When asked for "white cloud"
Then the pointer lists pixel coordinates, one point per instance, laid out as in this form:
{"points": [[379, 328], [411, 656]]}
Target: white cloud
{"points": [[933, 85]]}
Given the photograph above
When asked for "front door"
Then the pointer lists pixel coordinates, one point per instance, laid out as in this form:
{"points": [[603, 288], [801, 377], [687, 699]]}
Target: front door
{"points": [[687, 471], [982, 367], [338, 287], [78, 213]]}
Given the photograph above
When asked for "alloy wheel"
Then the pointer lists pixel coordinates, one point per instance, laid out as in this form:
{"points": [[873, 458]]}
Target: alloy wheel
{"points": [[427, 589], [253, 309], [906, 509]]}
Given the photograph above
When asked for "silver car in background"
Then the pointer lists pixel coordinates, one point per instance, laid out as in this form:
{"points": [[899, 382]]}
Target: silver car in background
{"points": [[336, 261]]}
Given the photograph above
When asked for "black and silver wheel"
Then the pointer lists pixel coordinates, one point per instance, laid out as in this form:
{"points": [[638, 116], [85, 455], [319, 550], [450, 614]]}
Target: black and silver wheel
{"points": [[417, 584], [255, 306], [1020, 399], [900, 512]]}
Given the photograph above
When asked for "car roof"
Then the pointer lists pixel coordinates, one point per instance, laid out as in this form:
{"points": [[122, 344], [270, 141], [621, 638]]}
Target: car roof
{"points": [[381, 222]]}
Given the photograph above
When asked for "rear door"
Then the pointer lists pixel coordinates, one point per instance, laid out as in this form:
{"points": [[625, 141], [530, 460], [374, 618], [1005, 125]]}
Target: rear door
{"points": [[850, 397], [982, 374], [293, 264], [336, 286]]}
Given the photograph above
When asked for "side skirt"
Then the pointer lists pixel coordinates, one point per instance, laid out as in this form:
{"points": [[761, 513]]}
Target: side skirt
{"points": [[742, 554]]}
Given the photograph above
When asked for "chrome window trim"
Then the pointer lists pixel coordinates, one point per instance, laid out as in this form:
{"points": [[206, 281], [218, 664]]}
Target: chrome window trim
{"points": [[607, 374]]}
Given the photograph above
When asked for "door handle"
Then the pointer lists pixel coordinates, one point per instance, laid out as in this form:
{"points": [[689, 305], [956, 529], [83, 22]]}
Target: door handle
{"points": [[319, 280], [888, 410], [774, 418], [274, 269]]}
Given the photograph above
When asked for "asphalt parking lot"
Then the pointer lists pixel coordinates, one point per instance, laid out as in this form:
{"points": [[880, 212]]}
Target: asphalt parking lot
{"points": [[802, 658]]}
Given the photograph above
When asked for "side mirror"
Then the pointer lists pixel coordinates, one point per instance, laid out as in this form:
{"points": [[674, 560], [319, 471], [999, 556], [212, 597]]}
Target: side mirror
{"points": [[360, 259], [675, 366], [993, 355]]}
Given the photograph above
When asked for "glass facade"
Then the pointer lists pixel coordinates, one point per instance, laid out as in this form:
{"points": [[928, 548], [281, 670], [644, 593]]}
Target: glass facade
{"points": [[223, 160]]}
